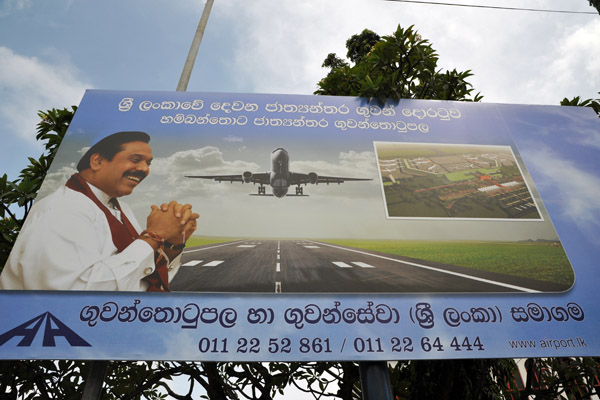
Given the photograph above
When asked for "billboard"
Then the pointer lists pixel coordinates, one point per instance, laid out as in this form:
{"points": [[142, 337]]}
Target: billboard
{"points": [[329, 228]]}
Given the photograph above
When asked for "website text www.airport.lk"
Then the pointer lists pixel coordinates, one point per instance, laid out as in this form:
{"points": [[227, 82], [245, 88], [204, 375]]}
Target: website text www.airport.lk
{"points": [[546, 343]]}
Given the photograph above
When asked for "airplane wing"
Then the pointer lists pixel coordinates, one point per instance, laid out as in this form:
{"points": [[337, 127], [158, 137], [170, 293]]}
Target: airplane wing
{"points": [[298, 179], [262, 178]]}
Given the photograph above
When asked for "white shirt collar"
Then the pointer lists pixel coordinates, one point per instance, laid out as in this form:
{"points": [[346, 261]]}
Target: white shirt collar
{"points": [[103, 197]]}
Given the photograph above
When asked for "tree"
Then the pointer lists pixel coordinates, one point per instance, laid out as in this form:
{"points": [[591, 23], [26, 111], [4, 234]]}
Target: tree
{"points": [[398, 66], [359, 46], [21, 192], [596, 4]]}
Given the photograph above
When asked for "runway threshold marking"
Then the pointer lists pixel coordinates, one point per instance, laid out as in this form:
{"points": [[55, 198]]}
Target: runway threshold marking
{"points": [[342, 264], [247, 245], [213, 247], [443, 271], [362, 264], [214, 263], [312, 247], [191, 263]]}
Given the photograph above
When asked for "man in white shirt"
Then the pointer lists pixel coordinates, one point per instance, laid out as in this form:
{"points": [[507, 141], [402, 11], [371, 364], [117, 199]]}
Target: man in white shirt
{"points": [[82, 238]]}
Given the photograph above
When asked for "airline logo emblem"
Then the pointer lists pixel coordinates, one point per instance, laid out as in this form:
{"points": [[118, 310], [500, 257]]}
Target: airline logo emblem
{"points": [[53, 327]]}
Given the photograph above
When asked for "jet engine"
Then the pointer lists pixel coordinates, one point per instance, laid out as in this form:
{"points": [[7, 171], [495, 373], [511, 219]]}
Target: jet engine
{"points": [[313, 177], [247, 176]]}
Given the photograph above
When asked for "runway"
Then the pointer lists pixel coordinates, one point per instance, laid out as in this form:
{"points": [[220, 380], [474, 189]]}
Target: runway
{"points": [[306, 266]]}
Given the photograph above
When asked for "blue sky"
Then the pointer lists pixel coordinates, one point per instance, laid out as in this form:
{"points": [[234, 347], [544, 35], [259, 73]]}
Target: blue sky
{"points": [[52, 51]]}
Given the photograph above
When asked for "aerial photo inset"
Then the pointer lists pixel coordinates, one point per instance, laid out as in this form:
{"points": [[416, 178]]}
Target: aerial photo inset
{"points": [[434, 180]]}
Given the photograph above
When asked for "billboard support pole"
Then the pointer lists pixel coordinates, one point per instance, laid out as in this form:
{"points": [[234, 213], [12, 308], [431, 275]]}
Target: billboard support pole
{"points": [[191, 58], [95, 379], [375, 380]]}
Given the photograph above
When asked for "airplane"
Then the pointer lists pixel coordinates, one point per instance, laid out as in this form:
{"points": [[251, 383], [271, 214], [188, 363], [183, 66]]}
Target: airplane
{"points": [[280, 178]]}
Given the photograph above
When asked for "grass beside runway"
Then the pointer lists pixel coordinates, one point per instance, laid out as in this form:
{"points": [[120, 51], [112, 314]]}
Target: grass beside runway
{"points": [[544, 261]]}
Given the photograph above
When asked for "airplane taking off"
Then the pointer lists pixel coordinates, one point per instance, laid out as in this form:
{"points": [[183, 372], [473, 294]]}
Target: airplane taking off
{"points": [[280, 178]]}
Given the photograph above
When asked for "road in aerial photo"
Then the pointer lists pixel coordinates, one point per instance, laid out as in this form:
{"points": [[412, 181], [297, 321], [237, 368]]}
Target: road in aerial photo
{"points": [[307, 266]]}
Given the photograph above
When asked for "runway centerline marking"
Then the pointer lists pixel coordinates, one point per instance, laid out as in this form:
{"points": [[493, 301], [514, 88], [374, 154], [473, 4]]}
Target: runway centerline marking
{"points": [[506, 285], [214, 263], [278, 267], [213, 247]]}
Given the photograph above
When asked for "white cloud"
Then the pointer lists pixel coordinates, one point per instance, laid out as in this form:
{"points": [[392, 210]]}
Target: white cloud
{"points": [[9, 5], [580, 189], [572, 68], [282, 45], [204, 161], [56, 179], [233, 139], [30, 84]]}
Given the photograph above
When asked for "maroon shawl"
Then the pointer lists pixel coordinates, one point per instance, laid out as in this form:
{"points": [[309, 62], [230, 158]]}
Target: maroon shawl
{"points": [[123, 234]]}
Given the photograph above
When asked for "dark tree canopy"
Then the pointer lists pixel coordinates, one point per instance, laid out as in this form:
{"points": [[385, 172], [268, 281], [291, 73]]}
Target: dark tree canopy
{"points": [[359, 46], [333, 61], [398, 66]]}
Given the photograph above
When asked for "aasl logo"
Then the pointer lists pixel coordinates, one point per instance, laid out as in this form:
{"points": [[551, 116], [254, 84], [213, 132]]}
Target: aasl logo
{"points": [[53, 327]]}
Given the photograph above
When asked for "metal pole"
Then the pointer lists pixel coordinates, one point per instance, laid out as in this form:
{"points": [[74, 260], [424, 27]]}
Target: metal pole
{"points": [[375, 380], [191, 58], [95, 379]]}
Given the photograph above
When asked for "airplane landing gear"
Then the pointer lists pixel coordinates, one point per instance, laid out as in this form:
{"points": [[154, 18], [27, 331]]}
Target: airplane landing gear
{"points": [[299, 191], [261, 190]]}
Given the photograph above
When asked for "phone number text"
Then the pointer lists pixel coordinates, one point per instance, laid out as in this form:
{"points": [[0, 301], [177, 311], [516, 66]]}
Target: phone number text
{"points": [[358, 345]]}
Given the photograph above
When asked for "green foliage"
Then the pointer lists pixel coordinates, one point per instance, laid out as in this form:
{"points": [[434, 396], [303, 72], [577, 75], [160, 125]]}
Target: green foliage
{"points": [[561, 378], [332, 61], [401, 65], [450, 379], [42, 379], [359, 46], [17, 196]]}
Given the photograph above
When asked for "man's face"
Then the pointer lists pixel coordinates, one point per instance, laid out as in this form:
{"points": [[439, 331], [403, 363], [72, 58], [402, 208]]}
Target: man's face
{"points": [[125, 171]]}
